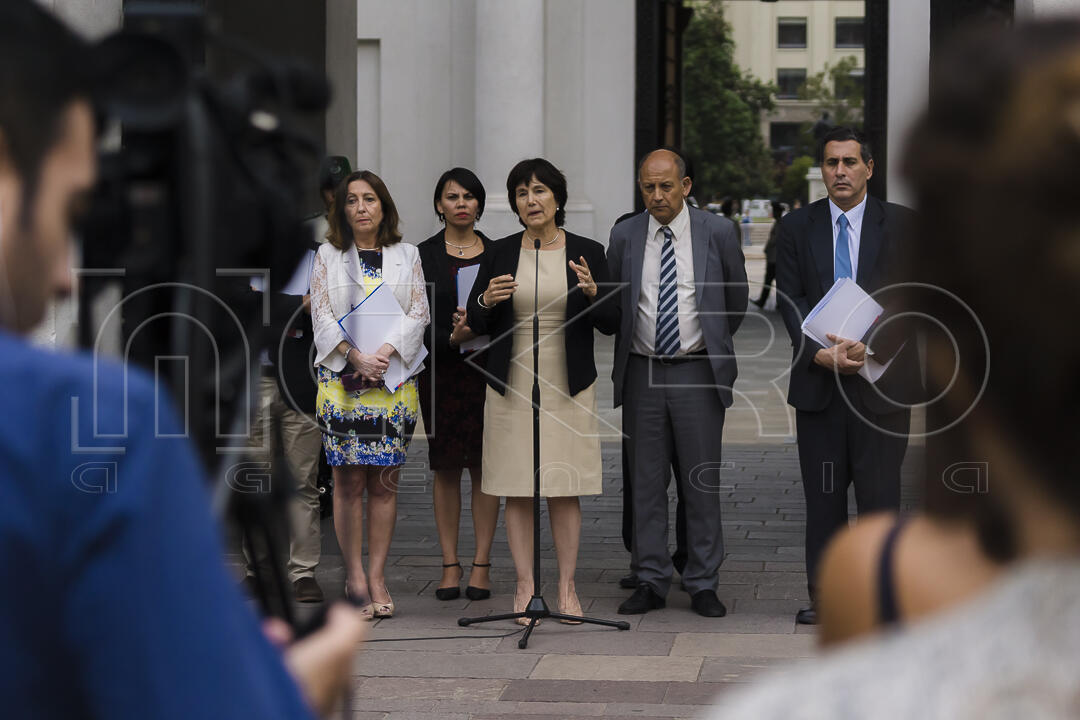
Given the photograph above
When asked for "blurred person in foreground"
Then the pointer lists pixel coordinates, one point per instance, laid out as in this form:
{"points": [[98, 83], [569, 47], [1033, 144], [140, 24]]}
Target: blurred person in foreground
{"points": [[117, 602], [1003, 128]]}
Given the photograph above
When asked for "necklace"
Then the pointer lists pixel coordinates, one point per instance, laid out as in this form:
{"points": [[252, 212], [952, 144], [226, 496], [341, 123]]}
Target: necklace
{"points": [[462, 248], [554, 239]]}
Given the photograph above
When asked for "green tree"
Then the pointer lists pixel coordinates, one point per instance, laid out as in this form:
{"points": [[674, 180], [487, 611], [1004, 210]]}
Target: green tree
{"points": [[836, 91], [794, 184], [722, 108]]}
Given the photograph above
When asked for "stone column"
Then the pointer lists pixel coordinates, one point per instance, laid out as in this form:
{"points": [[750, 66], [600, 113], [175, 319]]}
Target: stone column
{"points": [[509, 99]]}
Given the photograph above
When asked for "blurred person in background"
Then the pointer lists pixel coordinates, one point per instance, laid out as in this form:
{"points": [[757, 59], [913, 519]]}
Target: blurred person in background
{"points": [[1002, 129], [770, 256], [117, 603]]}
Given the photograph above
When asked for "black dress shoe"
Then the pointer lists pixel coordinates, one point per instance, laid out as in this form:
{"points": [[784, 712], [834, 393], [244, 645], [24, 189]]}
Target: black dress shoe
{"points": [[628, 582], [705, 602], [807, 616], [643, 600], [307, 590]]}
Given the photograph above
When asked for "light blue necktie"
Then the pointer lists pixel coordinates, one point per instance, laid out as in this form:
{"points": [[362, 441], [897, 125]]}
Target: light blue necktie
{"points": [[667, 302], [842, 263]]}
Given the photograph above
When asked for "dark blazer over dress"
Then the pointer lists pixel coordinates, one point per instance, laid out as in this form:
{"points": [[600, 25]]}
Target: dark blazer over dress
{"points": [[582, 316]]}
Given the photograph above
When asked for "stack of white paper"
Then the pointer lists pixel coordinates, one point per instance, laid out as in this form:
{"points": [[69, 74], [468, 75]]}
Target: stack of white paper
{"points": [[848, 312], [368, 325], [466, 276]]}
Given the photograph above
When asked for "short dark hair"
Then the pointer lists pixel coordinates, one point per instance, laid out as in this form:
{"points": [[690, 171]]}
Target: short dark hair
{"points": [[465, 178], [546, 173], [332, 171], [43, 68], [340, 234], [682, 161], [842, 133]]}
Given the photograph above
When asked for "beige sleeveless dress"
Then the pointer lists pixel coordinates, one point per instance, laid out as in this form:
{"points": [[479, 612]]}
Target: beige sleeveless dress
{"points": [[569, 436]]}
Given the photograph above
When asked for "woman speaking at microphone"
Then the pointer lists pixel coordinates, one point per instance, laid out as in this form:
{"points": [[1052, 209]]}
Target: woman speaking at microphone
{"points": [[367, 426], [571, 292]]}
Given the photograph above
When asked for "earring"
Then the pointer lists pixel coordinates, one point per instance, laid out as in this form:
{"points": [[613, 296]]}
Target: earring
{"points": [[442, 218]]}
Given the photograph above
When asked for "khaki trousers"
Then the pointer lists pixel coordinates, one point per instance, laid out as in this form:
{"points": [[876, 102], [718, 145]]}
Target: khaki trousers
{"points": [[302, 442]]}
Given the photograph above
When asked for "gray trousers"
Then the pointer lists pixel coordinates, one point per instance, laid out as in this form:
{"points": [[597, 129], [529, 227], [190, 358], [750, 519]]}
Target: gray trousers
{"points": [[673, 412]]}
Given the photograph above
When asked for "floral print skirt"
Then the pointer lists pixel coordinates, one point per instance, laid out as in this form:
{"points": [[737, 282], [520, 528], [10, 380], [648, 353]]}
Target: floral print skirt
{"points": [[366, 428]]}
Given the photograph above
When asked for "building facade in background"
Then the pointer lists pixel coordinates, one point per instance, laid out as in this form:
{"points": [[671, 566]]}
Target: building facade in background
{"points": [[787, 42], [484, 84]]}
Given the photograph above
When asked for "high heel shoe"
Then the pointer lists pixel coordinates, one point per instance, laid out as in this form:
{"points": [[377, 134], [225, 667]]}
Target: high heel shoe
{"points": [[476, 593], [384, 610], [367, 612], [450, 593], [523, 620], [571, 611]]}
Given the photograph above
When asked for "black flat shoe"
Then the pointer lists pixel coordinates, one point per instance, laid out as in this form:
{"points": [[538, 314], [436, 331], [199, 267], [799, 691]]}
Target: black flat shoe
{"points": [[807, 616], [643, 600], [705, 603], [475, 593], [628, 582], [449, 593]]}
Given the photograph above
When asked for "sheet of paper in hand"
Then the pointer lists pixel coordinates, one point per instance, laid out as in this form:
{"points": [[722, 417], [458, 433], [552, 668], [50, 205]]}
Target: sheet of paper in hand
{"points": [[366, 327]]}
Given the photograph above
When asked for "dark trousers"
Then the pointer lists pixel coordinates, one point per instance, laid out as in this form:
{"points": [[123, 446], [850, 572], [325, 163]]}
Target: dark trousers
{"points": [[678, 558], [766, 286], [671, 411], [841, 445]]}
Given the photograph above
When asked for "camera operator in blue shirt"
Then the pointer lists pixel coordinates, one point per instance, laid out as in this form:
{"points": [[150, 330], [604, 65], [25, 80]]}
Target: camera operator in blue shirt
{"points": [[116, 602]]}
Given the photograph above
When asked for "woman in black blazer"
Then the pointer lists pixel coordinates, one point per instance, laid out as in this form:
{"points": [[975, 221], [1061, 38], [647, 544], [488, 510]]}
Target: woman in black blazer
{"points": [[573, 301], [452, 386]]}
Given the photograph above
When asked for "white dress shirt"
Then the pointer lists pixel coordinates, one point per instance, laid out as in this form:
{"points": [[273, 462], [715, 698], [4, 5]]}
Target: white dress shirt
{"points": [[854, 232], [691, 338]]}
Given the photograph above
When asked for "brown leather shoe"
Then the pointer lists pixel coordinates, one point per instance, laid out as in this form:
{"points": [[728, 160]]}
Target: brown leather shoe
{"points": [[307, 590]]}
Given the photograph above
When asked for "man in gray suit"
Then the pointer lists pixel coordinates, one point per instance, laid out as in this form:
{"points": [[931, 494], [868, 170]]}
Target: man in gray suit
{"points": [[683, 294]]}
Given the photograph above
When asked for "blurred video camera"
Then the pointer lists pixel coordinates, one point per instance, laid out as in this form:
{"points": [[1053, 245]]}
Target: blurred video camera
{"points": [[202, 186]]}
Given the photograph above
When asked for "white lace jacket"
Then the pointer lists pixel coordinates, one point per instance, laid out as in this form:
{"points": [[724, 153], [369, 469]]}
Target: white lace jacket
{"points": [[336, 288]]}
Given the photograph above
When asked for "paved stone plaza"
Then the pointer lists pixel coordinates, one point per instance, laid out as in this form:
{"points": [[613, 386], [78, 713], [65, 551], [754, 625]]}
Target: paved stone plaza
{"points": [[672, 662]]}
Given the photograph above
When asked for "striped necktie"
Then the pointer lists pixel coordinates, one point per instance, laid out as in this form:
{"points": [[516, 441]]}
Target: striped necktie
{"points": [[667, 302]]}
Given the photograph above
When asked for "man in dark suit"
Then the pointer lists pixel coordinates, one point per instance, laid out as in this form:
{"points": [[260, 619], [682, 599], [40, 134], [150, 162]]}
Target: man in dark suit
{"points": [[849, 431], [682, 296]]}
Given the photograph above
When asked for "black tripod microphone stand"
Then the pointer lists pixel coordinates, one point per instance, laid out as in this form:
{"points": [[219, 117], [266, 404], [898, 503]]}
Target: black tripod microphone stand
{"points": [[537, 608]]}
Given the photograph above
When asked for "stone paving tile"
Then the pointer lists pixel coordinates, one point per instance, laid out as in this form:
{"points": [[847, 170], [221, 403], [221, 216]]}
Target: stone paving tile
{"points": [[387, 688], [616, 667], [733, 622], [743, 644], [695, 693], [650, 711], [729, 671], [420, 663], [582, 640], [586, 691]]}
